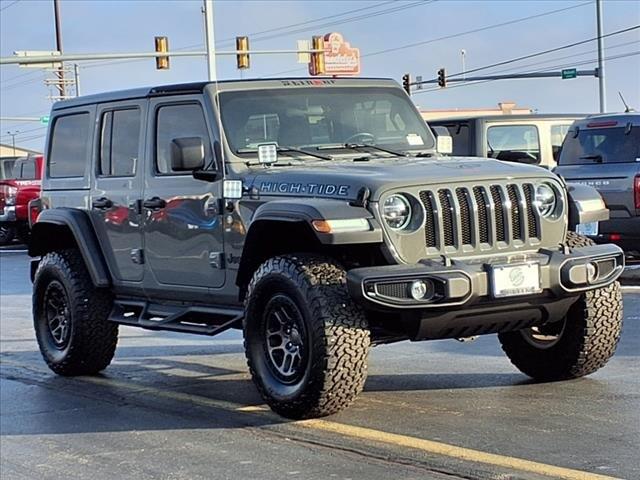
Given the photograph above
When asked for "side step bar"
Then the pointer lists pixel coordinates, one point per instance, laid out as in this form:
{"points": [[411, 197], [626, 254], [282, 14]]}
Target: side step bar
{"points": [[191, 319]]}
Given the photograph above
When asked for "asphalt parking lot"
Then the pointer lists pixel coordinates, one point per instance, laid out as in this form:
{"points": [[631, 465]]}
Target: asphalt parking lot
{"points": [[183, 407]]}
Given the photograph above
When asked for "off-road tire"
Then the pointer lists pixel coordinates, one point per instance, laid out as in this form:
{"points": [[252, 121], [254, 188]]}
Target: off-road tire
{"points": [[338, 338], [7, 234], [588, 340], [92, 338]]}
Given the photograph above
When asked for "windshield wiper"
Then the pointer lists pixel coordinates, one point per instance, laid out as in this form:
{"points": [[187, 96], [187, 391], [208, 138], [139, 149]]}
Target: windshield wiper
{"points": [[360, 146], [595, 157], [287, 149]]}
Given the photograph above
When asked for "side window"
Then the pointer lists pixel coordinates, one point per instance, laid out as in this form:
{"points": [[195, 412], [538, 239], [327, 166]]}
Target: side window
{"points": [[119, 142], [28, 171], [69, 146], [514, 143], [176, 121]]}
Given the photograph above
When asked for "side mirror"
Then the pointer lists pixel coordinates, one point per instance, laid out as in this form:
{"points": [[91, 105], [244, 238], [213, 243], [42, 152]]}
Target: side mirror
{"points": [[444, 141], [187, 154]]}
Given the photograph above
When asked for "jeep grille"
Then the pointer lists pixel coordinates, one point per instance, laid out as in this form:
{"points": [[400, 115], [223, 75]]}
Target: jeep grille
{"points": [[468, 218]]}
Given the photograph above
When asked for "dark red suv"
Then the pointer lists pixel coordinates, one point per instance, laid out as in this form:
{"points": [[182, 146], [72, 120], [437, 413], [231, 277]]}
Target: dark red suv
{"points": [[16, 191]]}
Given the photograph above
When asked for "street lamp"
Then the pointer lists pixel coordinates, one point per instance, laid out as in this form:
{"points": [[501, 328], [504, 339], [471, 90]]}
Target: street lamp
{"points": [[463, 54], [13, 139]]}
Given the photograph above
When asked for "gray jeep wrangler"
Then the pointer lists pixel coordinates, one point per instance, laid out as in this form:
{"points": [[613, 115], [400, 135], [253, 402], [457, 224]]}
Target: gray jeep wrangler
{"points": [[318, 216]]}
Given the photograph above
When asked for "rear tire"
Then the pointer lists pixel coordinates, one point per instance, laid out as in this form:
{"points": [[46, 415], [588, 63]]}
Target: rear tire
{"points": [[306, 340], [578, 345], [71, 316]]}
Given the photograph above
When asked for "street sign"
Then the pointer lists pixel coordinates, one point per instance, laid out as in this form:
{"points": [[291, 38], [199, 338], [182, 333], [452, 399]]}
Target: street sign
{"points": [[38, 53], [568, 73], [44, 120], [340, 58]]}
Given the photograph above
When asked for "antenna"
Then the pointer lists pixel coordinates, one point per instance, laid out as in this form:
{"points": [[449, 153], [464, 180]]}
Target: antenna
{"points": [[627, 109]]}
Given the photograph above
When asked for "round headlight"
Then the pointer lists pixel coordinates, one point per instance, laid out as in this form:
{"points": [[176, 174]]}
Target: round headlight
{"points": [[546, 199], [396, 211]]}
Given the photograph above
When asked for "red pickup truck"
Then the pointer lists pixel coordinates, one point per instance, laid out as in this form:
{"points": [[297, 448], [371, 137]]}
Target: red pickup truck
{"points": [[22, 185]]}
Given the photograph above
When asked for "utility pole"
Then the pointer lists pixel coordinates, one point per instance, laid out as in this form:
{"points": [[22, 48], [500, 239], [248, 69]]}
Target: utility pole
{"points": [[76, 78], [601, 82], [60, 73], [13, 140], [210, 40]]}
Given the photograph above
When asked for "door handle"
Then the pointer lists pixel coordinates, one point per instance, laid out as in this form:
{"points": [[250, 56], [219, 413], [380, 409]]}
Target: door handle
{"points": [[154, 203], [102, 203]]}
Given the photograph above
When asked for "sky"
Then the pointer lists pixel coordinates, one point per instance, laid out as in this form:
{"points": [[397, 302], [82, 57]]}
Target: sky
{"points": [[394, 38]]}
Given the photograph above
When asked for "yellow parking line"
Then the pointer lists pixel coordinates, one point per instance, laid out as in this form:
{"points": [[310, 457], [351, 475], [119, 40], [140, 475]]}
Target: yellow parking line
{"points": [[444, 449], [361, 433]]}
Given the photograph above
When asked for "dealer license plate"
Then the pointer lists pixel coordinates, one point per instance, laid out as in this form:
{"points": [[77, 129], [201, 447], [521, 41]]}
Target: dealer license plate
{"points": [[513, 280], [589, 229]]}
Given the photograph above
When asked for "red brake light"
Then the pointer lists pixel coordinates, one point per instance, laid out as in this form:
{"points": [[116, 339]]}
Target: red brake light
{"points": [[609, 123], [636, 190]]}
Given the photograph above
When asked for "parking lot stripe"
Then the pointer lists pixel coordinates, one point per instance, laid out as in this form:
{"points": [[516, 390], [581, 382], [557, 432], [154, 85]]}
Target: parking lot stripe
{"points": [[444, 449], [360, 433], [428, 446]]}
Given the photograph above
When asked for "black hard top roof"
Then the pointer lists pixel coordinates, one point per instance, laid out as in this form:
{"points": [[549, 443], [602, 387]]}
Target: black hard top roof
{"points": [[508, 117], [198, 87]]}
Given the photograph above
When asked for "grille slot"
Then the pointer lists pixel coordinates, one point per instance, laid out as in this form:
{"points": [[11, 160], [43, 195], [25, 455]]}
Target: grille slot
{"points": [[532, 221], [465, 215], [501, 235], [447, 217], [429, 220], [515, 212], [483, 224]]}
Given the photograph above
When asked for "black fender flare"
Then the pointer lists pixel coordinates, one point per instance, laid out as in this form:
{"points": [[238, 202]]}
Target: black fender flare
{"points": [[308, 210], [78, 224]]}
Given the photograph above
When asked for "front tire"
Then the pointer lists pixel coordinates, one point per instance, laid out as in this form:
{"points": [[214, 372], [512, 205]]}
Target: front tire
{"points": [[578, 345], [71, 316], [306, 340]]}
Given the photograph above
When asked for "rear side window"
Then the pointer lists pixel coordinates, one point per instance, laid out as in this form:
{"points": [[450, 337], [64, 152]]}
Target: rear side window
{"points": [[601, 145], [119, 142], [69, 146], [177, 121], [514, 143], [27, 170]]}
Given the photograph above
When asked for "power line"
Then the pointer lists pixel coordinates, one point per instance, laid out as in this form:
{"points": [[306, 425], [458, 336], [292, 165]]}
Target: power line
{"points": [[10, 5], [546, 69], [230, 41], [544, 52], [455, 35]]}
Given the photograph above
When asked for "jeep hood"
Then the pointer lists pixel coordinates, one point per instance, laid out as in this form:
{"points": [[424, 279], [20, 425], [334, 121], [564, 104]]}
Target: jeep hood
{"points": [[344, 178]]}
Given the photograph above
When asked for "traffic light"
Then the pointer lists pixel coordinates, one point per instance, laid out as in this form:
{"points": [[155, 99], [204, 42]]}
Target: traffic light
{"points": [[406, 83], [442, 78], [162, 46], [316, 65], [242, 59]]}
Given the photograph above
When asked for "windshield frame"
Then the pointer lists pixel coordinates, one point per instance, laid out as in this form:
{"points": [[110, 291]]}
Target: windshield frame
{"points": [[237, 156]]}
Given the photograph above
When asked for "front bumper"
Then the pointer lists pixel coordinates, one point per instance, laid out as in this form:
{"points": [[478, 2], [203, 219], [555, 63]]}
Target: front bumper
{"points": [[8, 214], [457, 283]]}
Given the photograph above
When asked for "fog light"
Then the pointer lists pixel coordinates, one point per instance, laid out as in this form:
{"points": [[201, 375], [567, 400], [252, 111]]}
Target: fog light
{"points": [[421, 289], [592, 272]]}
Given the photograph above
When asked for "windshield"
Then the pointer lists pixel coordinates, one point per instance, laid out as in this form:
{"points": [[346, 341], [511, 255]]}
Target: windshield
{"points": [[601, 145], [317, 118]]}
